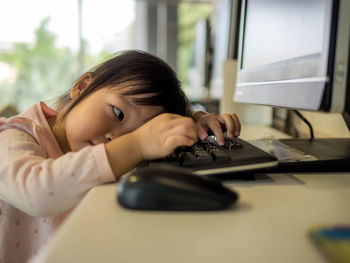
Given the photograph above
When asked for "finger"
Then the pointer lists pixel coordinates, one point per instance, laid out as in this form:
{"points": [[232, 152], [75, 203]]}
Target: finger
{"points": [[181, 126], [202, 133], [177, 120], [216, 129], [211, 119], [230, 125], [184, 130], [174, 141], [237, 124]]}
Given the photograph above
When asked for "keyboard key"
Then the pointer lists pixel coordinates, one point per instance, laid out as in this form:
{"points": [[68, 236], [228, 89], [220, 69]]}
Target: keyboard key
{"points": [[190, 160], [220, 155]]}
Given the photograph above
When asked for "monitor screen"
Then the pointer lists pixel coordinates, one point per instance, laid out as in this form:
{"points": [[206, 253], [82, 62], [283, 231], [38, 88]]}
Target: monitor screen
{"points": [[295, 30], [294, 54]]}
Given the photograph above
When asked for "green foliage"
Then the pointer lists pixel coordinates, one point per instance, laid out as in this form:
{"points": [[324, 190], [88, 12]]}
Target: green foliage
{"points": [[43, 70], [188, 15]]}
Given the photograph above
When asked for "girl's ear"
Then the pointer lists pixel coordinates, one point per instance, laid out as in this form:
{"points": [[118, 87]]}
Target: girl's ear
{"points": [[82, 83]]}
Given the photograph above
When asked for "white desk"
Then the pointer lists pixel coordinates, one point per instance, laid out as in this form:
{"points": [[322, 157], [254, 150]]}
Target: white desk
{"points": [[269, 224]]}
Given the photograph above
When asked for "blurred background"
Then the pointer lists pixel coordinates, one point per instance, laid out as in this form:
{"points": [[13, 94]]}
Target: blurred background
{"points": [[46, 45]]}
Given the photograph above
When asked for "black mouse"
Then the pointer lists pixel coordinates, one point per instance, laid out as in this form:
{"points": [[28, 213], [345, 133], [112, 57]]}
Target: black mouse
{"points": [[172, 188]]}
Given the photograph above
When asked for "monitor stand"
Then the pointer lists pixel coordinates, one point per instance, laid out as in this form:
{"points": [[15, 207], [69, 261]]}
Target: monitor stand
{"points": [[323, 155]]}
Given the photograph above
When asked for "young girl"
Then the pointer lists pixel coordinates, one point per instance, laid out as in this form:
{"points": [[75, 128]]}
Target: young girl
{"points": [[129, 109]]}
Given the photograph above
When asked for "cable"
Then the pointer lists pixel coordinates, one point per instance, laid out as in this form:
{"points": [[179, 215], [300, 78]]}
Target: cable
{"points": [[307, 123]]}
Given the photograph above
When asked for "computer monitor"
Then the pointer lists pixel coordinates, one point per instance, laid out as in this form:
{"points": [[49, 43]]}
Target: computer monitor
{"points": [[295, 54]]}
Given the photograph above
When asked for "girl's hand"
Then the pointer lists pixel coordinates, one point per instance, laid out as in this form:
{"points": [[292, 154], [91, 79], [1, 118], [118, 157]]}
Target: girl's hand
{"points": [[160, 136], [155, 139], [213, 122]]}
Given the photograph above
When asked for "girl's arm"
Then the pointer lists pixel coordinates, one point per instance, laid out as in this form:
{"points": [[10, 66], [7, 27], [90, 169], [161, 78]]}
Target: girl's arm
{"points": [[41, 186]]}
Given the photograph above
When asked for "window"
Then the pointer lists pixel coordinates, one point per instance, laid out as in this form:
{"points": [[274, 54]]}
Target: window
{"points": [[45, 45]]}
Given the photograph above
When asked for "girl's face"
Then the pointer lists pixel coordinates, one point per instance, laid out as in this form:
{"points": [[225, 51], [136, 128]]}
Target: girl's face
{"points": [[104, 115]]}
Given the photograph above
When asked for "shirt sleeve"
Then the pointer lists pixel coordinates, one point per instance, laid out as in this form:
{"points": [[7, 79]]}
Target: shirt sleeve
{"points": [[47, 187]]}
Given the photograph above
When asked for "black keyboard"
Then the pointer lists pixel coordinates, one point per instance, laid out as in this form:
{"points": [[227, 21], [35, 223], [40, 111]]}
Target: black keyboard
{"points": [[208, 157]]}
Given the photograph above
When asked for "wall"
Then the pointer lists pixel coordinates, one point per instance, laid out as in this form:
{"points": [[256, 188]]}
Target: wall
{"points": [[324, 125]]}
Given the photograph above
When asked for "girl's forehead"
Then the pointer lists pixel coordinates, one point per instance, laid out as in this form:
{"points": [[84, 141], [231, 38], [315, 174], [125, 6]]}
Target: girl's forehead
{"points": [[130, 100], [124, 86], [121, 90]]}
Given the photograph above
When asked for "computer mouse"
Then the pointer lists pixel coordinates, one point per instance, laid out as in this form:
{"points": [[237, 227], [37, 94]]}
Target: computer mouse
{"points": [[172, 188]]}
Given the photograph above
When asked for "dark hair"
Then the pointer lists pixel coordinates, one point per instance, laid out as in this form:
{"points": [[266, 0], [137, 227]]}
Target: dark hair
{"points": [[148, 74]]}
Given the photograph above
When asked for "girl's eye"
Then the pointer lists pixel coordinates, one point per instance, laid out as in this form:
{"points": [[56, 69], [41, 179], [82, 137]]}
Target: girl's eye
{"points": [[118, 113]]}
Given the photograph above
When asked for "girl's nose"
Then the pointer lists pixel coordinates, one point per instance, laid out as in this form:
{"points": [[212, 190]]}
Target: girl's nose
{"points": [[108, 137], [112, 134]]}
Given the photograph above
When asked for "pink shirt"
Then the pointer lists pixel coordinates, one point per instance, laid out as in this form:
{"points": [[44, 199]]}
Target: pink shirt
{"points": [[39, 185]]}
